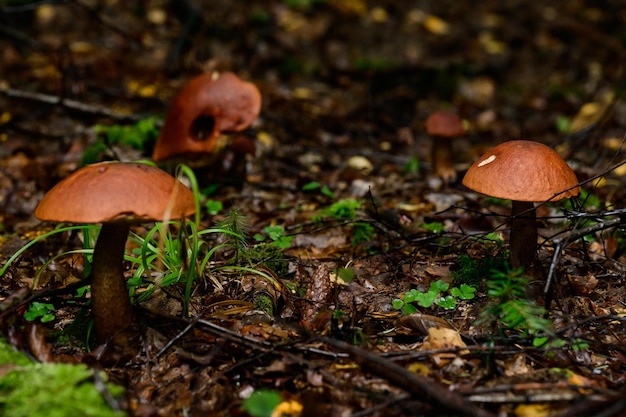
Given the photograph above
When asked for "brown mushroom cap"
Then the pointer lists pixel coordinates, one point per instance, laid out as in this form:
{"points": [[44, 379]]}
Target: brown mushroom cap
{"points": [[522, 170], [207, 106], [444, 123], [116, 191]]}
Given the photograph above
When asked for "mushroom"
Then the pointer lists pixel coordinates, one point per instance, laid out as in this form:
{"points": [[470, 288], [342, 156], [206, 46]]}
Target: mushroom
{"points": [[524, 172], [208, 105], [116, 194], [443, 126]]}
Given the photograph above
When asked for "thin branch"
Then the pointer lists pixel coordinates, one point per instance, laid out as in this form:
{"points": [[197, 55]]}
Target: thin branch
{"points": [[70, 104], [414, 384], [561, 243]]}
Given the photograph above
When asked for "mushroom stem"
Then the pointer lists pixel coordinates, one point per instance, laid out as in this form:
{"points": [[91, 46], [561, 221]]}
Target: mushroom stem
{"points": [[523, 238], [109, 296], [441, 156]]}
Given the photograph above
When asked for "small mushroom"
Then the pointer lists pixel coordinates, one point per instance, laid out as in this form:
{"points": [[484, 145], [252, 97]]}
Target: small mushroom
{"points": [[443, 126], [116, 194], [207, 106], [524, 172]]}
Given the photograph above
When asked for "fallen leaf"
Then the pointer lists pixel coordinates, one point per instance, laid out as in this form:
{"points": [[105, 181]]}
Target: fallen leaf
{"points": [[532, 410], [422, 323]]}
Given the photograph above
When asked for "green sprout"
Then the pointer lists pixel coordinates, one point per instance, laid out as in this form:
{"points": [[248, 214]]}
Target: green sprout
{"points": [[412, 165], [439, 294], [42, 311], [314, 185], [277, 236], [262, 403], [510, 309]]}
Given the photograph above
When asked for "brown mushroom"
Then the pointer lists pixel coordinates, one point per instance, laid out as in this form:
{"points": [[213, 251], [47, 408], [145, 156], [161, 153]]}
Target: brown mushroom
{"points": [[524, 172], [207, 106], [117, 195], [443, 126]]}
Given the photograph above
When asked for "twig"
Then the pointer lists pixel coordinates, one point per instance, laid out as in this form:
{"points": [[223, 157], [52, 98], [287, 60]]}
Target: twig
{"points": [[95, 14], [414, 384], [561, 243], [70, 104]]}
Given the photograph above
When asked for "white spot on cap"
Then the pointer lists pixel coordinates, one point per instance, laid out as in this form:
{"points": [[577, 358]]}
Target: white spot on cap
{"points": [[487, 161]]}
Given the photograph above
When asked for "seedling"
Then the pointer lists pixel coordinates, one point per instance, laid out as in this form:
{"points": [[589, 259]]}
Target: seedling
{"points": [[436, 295], [411, 166], [42, 311], [435, 227], [314, 185], [277, 236], [213, 206], [474, 272], [262, 403], [344, 209], [510, 309]]}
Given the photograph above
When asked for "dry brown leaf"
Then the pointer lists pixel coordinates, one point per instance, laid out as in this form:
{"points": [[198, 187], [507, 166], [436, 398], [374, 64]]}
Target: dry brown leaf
{"points": [[422, 322], [516, 365], [442, 338], [317, 296]]}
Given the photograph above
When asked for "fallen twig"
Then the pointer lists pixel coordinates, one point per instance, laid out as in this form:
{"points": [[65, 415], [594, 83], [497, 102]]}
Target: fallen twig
{"points": [[70, 104], [413, 383], [561, 243]]}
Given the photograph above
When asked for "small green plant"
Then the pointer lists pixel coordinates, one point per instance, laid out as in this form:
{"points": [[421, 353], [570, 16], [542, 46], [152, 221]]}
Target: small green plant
{"points": [[262, 403], [345, 274], [435, 227], [492, 238], [314, 185], [363, 232], [42, 311], [213, 206], [473, 271], [344, 209], [588, 201], [563, 124], [464, 292], [510, 309], [411, 166], [436, 294], [276, 235]]}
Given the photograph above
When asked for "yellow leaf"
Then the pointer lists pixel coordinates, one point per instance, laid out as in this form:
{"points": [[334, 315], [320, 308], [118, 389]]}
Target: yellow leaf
{"points": [[5, 117], [379, 15], [590, 113], [287, 408], [532, 410], [436, 26], [420, 368], [156, 16], [147, 91]]}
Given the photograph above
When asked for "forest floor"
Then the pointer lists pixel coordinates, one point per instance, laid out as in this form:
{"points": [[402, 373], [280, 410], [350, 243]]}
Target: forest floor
{"points": [[339, 202]]}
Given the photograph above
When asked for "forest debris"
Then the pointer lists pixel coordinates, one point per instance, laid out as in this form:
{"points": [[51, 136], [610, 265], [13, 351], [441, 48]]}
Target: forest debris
{"points": [[317, 297], [443, 338], [422, 323], [532, 410]]}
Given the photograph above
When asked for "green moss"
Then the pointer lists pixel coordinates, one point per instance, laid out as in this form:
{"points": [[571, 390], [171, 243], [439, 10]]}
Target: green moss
{"points": [[30, 389]]}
